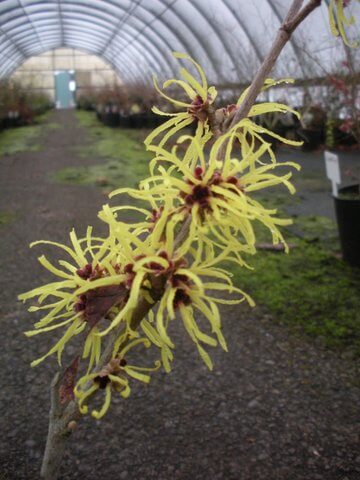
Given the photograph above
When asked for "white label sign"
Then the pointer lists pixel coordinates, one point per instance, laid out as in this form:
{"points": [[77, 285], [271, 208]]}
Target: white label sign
{"points": [[332, 170]]}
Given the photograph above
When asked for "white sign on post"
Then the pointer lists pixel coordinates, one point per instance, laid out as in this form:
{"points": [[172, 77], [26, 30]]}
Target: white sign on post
{"points": [[332, 170]]}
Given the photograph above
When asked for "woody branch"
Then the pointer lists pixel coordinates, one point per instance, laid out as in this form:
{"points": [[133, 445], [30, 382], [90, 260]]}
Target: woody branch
{"points": [[62, 418]]}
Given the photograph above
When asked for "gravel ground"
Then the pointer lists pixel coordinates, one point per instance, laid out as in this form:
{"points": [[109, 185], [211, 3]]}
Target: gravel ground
{"points": [[314, 195], [276, 407]]}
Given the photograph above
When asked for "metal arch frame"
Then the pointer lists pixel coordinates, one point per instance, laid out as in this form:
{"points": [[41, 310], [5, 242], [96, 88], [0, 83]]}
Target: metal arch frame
{"points": [[183, 39], [84, 39], [83, 44], [29, 20], [54, 38], [97, 50], [61, 23], [154, 48], [153, 45], [146, 44], [177, 36], [219, 35], [156, 17], [169, 65], [11, 68], [121, 22], [29, 42], [141, 20], [14, 44], [146, 74], [245, 29], [200, 39], [169, 27], [180, 37], [9, 64]]}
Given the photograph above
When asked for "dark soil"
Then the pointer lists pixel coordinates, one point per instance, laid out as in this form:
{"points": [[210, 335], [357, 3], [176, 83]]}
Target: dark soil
{"points": [[276, 407]]}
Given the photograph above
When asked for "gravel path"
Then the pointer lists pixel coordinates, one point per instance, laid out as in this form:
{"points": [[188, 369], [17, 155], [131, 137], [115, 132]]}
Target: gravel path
{"points": [[314, 193], [275, 408]]}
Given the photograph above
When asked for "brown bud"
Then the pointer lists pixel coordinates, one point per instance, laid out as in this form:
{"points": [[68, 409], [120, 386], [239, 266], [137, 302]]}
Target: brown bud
{"points": [[219, 116], [72, 425]]}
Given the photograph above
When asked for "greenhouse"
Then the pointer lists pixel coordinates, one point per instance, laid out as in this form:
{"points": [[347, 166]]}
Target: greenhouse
{"points": [[180, 239]]}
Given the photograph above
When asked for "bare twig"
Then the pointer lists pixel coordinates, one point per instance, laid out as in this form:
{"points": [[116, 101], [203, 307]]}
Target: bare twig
{"points": [[57, 434], [62, 418], [292, 20], [278, 247]]}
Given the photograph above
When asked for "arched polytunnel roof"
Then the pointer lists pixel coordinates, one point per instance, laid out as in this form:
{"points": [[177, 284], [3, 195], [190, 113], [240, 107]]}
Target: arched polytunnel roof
{"points": [[228, 37]]}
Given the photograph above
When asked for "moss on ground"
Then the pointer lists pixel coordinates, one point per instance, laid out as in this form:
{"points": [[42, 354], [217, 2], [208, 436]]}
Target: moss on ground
{"points": [[20, 139], [126, 160], [25, 139], [6, 218], [87, 119], [309, 289]]}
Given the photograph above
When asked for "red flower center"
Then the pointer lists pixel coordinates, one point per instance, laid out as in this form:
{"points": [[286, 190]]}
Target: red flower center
{"points": [[198, 108], [181, 298], [201, 194]]}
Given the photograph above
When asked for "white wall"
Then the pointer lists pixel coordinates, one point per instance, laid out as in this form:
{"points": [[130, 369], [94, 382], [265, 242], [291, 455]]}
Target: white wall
{"points": [[90, 71]]}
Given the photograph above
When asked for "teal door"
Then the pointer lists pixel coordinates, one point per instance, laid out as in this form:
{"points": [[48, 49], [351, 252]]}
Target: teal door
{"points": [[63, 95]]}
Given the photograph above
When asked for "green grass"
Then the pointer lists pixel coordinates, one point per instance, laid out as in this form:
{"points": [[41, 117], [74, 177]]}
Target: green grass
{"points": [[87, 119], [54, 126], [25, 139], [310, 289], [20, 139], [125, 159]]}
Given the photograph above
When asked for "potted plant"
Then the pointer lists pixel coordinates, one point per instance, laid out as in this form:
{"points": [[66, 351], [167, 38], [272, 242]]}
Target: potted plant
{"points": [[347, 208], [347, 198]]}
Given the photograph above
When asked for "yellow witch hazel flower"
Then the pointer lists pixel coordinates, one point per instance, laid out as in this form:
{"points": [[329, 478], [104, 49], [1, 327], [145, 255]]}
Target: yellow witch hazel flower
{"points": [[339, 21], [199, 212], [217, 194], [189, 290], [151, 230], [250, 134], [87, 290], [113, 377], [138, 259], [201, 97]]}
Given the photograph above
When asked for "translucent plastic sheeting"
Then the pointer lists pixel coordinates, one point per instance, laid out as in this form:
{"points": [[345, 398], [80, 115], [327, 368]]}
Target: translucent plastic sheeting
{"points": [[228, 37]]}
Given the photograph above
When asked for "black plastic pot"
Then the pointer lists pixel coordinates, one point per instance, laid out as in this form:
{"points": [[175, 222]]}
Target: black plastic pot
{"points": [[312, 138], [348, 219], [343, 138], [110, 119], [155, 120], [124, 121]]}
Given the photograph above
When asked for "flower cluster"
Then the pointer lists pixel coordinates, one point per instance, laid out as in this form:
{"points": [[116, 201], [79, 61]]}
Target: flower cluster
{"points": [[197, 109], [197, 212]]}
